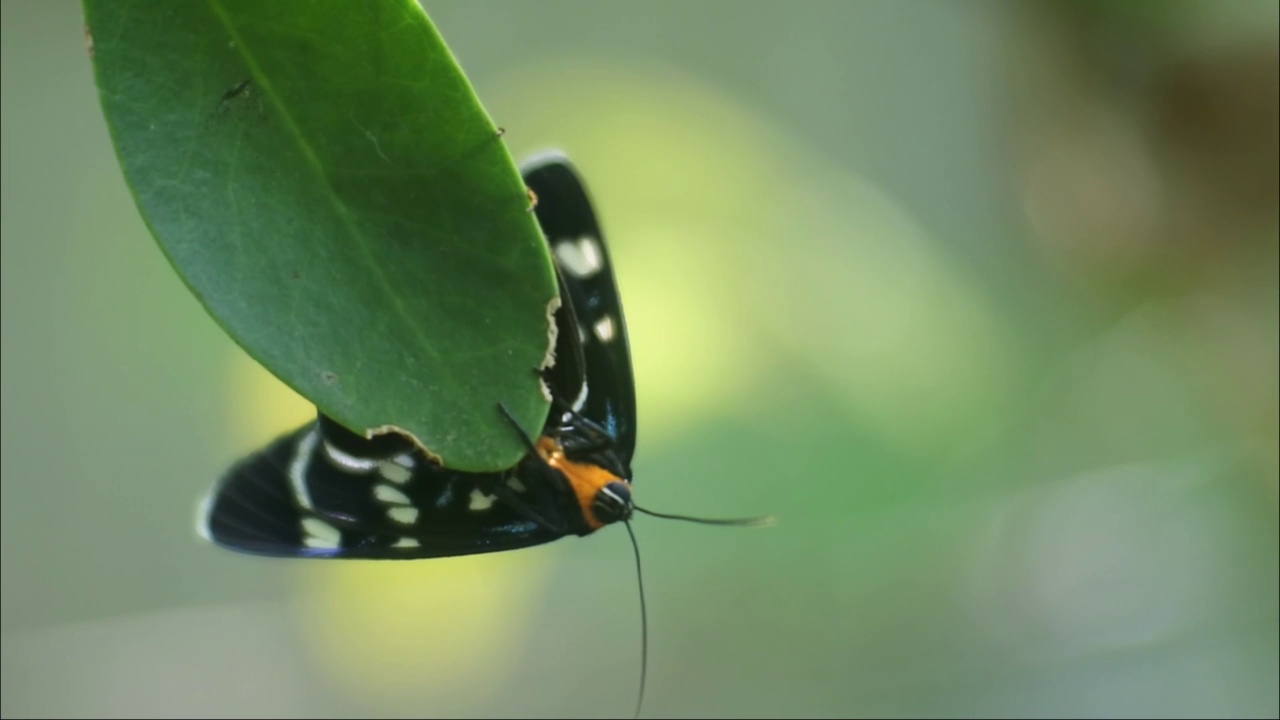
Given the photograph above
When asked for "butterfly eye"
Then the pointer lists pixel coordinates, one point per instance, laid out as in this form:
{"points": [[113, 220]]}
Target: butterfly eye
{"points": [[612, 503]]}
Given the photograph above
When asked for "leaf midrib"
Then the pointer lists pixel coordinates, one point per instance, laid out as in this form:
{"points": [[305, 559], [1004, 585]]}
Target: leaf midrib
{"points": [[318, 168]]}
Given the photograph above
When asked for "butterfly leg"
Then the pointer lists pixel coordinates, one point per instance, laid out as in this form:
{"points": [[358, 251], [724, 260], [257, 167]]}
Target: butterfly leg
{"points": [[603, 437], [504, 493]]}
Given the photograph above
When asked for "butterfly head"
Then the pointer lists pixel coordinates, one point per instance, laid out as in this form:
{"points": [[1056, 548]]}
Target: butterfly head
{"points": [[612, 503]]}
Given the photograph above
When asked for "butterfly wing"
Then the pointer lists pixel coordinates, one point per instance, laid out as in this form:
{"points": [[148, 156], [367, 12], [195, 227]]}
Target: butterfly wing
{"points": [[324, 492], [577, 244], [567, 376]]}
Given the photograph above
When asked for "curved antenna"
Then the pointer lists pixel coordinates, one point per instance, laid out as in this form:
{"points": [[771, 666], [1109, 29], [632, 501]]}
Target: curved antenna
{"points": [[644, 621], [763, 521]]}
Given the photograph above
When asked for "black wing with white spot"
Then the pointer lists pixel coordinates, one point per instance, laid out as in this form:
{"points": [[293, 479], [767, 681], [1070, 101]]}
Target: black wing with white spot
{"points": [[582, 258], [324, 492]]}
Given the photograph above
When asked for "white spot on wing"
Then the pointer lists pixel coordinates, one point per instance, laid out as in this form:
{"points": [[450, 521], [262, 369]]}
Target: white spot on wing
{"points": [[604, 329], [407, 542], [480, 501], [203, 512], [394, 472], [514, 483], [347, 461], [403, 515], [298, 469], [320, 534], [581, 400], [404, 460], [389, 495], [581, 257], [446, 496], [543, 158]]}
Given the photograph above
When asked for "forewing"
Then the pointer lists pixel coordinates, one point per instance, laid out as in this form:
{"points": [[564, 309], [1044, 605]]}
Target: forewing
{"points": [[582, 258], [317, 492]]}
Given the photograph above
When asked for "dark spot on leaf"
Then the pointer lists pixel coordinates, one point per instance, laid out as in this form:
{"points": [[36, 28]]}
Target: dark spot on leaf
{"points": [[242, 102], [240, 88], [328, 377]]}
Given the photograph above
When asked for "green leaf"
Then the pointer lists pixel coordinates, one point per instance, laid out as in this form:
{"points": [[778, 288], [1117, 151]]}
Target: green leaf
{"points": [[325, 181]]}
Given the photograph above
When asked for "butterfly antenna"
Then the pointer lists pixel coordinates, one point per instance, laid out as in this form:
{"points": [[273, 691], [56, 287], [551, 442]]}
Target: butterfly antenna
{"points": [[764, 521], [644, 622], [524, 436]]}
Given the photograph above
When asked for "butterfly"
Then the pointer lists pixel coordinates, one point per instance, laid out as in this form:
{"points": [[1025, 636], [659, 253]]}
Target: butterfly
{"points": [[324, 491]]}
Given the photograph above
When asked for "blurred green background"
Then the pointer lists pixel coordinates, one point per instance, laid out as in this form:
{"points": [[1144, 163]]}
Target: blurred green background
{"points": [[979, 298]]}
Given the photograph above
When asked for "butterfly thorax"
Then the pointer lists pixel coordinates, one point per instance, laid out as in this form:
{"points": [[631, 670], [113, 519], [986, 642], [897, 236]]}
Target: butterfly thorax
{"points": [[603, 497]]}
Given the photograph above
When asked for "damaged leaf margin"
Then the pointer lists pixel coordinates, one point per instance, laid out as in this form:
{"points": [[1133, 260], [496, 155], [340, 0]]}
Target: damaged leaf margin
{"points": [[351, 217]]}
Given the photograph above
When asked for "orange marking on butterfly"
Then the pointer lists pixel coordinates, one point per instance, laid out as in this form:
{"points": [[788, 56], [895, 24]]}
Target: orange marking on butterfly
{"points": [[586, 480]]}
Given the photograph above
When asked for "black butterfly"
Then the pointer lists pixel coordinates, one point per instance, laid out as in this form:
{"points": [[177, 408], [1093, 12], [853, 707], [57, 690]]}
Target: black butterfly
{"points": [[325, 491]]}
